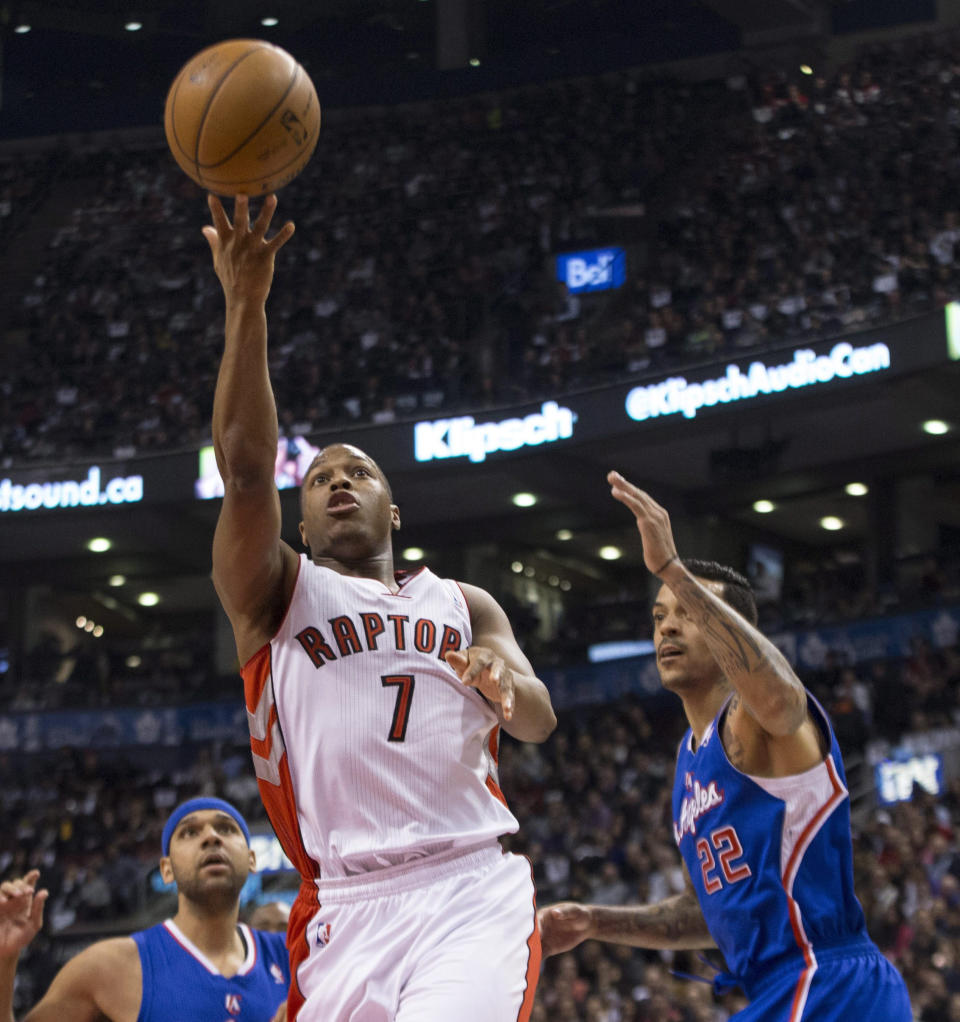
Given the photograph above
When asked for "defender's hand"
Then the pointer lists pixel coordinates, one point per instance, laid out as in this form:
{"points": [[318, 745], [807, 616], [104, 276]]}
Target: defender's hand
{"points": [[482, 669], [653, 522], [564, 926]]}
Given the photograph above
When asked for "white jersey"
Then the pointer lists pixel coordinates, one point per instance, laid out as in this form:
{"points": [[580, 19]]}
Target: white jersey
{"points": [[369, 750]]}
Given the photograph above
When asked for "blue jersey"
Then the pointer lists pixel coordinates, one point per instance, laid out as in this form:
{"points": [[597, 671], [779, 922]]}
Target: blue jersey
{"points": [[180, 984], [771, 860]]}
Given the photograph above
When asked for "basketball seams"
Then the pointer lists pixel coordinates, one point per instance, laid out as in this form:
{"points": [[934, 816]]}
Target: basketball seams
{"points": [[210, 98], [202, 167]]}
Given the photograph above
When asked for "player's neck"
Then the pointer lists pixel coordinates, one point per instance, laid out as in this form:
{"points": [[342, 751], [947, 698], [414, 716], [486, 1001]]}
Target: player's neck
{"points": [[379, 567], [214, 933], [702, 708]]}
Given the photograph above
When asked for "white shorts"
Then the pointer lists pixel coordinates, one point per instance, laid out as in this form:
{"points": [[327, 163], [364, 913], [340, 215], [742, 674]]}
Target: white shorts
{"points": [[452, 937]]}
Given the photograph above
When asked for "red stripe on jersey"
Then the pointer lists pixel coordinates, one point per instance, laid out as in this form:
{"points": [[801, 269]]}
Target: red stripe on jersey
{"points": [[301, 912], [278, 799], [534, 957]]}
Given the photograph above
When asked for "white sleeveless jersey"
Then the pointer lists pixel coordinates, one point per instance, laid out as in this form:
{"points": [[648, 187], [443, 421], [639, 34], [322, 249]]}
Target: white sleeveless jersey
{"points": [[369, 750]]}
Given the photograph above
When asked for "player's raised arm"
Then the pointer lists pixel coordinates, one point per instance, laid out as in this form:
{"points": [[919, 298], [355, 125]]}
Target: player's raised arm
{"points": [[252, 569], [496, 666], [761, 675]]}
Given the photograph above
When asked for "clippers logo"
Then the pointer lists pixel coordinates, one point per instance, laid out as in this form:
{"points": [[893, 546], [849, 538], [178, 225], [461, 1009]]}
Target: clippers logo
{"points": [[700, 800], [294, 126], [323, 934], [233, 1003]]}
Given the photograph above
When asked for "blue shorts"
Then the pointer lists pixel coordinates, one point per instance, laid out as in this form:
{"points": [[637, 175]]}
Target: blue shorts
{"points": [[847, 983]]}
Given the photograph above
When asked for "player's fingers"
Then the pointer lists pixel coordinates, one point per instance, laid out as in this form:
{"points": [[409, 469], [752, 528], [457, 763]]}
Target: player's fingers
{"points": [[32, 877], [282, 236], [476, 667], [36, 910], [507, 692], [269, 207], [457, 660], [241, 213], [213, 239], [220, 220]]}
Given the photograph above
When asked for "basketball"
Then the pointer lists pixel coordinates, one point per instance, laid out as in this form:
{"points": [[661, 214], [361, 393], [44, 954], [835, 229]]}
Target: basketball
{"points": [[242, 118]]}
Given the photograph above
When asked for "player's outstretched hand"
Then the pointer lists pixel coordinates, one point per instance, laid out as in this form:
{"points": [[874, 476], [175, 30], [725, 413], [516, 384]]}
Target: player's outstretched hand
{"points": [[653, 522], [243, 257], [563, 926], [487, 673], [21, 913]]}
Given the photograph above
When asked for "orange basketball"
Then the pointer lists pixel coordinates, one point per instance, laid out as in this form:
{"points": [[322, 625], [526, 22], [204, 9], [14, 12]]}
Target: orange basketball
{"points": [[242, 118]]}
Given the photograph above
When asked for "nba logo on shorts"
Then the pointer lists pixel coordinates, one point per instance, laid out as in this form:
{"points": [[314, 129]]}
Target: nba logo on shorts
{"points": [[323, 934], [233, 1003]]}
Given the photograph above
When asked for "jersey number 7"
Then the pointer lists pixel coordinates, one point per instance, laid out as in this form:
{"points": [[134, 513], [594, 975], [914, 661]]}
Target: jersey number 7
{"points": [[401, 712]]}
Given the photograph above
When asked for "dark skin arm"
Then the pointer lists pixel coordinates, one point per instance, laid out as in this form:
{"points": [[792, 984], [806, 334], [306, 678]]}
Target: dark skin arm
{"points": [[253, 569], [496, 666]]}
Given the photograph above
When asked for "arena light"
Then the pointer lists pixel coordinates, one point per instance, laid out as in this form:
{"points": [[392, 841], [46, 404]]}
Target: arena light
{"points": [[831, 523], [148, 599], [565, 585], [99, 544], [806, 69], [269, 22], [81, 621], [524, 499], [935, 427], [22, 29], [610, 553], [764, 507], [97, 631], [133, 26], [516, 567], [474, 62], [413, 553], [856, 489], [117, 580], [563, 535]]}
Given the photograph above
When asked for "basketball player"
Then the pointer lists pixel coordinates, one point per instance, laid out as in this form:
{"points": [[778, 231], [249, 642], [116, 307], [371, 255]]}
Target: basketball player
{"points": [[761, 813], [375, 702], [200, 965]]}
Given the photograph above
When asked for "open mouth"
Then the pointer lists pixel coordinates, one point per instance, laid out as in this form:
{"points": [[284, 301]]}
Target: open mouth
{"points": [[341, 504], [668, 653]]}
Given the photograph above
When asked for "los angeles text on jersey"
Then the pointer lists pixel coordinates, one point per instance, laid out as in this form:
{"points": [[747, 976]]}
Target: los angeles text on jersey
{"points": [[367, 631], [700, 800]]}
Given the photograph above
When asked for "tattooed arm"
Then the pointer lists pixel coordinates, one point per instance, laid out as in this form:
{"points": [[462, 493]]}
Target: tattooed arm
{"points": [[675, 923], [758, 671]]}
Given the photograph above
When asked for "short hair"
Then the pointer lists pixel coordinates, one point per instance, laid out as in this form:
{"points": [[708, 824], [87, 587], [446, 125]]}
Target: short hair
{"points": [[343, 443], [736, 591]]}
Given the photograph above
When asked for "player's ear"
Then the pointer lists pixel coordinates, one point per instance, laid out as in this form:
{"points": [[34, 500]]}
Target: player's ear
{"points": [[394, 517], [253, 861], [166, 869], [303, 535]]}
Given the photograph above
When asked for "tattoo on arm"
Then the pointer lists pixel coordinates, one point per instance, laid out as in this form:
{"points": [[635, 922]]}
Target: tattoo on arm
{"points": [[735, 649], [731, 743], [676, 922]]}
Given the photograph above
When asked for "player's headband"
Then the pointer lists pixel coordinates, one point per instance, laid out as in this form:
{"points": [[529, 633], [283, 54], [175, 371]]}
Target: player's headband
{"points": [[194, 805]]}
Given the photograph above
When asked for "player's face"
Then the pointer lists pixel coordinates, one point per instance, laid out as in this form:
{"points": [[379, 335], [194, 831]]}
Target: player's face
{"points": [[347, 512], [209, 858], [683, 658]]}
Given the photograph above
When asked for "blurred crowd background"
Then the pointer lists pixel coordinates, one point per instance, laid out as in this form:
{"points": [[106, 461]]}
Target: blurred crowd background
{"points": [[774, 206]]}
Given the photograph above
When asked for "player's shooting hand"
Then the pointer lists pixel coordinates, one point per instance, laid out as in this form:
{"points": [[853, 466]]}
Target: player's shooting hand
{"points": [[485, 671], [653, 522], [243, 256], [563, 926], [21, 912]]}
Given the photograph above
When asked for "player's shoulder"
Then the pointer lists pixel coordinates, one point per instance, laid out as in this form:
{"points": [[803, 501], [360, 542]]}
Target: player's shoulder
{"points": [[117, 952]]}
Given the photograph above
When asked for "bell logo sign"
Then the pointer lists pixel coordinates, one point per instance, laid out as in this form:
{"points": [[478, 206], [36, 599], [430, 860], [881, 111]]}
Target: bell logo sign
{"points": [[597, 269], [463, 437]]}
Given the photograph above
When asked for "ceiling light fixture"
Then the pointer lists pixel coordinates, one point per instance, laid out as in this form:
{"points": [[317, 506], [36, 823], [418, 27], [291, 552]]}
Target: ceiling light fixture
{"points": [[831, 523], [610, 553], [857, 489], [764, 507], [524, 499], [99, 544], [935, 427]]}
